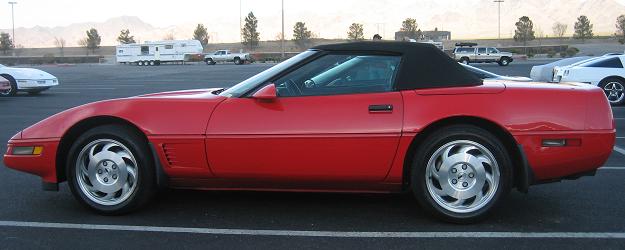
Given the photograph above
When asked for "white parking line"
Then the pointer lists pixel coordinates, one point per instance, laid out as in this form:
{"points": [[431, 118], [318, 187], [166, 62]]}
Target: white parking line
{"points": [[611, 168], [333, 234], [86, 88], [619, 150]]}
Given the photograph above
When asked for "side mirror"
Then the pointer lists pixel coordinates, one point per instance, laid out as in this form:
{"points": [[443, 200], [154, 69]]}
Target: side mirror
{"points": [[266, 93]]}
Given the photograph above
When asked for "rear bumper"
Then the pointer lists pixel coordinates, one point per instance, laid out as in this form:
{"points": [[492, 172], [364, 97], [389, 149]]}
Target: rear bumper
{"points": [[548, 163], [43, 165]]}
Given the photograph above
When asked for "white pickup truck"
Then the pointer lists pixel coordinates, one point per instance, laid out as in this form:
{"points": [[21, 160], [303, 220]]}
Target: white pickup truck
{"points": [[226, 56]]}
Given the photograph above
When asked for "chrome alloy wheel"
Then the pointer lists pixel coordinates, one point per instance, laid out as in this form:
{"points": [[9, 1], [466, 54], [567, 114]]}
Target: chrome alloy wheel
{"points": [[462, 176], [106, 172], [614, 91]]}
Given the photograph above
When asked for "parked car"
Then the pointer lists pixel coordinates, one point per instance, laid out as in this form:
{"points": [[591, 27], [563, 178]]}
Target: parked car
{"points": [[226, 56], [153, 53], [28, 80], [466, 53], [355, 117], [5, 86], [544, 73], [487, 75], [607, 72]]}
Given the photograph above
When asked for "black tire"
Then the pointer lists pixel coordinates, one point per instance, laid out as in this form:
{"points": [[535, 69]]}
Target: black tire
{"points": [[157, 63], [464, 60], [138, 146], [140, 63], [209, 61], [441, 137], [615, 98], [13, 84], [238, 61], [504, 61], [151, 63]]}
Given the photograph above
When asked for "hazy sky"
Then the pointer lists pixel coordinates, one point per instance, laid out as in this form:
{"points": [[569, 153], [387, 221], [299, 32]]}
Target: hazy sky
{"points": [[376, 15]]}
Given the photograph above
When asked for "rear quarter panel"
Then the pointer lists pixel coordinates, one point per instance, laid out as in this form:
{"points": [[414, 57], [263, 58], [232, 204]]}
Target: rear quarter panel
{"points": [[530, 112]]}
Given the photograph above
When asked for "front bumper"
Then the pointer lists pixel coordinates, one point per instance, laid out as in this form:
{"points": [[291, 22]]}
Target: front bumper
{"points": [[43, 164], [30, 84]]}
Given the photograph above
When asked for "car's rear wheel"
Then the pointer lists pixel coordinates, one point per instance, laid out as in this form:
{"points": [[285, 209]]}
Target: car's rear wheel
{"points": [[460, 173], [238, 61], [110, 170], [614, 90], [464, 60], [504, 61], [12, 83], [140, 63]]}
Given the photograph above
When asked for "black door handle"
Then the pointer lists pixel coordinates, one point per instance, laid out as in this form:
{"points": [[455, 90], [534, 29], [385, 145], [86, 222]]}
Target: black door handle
{"points": [[380, 108]]}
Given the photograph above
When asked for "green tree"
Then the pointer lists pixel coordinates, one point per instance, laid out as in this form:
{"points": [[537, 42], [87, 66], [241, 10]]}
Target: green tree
{"points": [[201, 34], [125, 37], [6, 43], [301, 35], [250, 31], [620, 29], [583, 28], [409, 25], [524, 30], [356, 32], [411, 28], [93, 40]]}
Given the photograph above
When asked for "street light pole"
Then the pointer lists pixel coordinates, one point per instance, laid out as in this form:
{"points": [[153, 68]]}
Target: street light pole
{"points": [[282, 36], [240, 24], [499, 19], [13, 21]]}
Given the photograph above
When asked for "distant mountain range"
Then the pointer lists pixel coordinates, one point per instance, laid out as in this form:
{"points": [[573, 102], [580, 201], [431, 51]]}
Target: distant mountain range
{"points": [[465, 19]]}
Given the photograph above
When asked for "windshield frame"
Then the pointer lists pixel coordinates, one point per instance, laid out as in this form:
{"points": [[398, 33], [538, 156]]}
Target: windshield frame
{"points": [[251, 84]]}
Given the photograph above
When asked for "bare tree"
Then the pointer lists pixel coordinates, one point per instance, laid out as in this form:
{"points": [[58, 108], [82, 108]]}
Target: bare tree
{"points": [[559, 29], [169, 36], [85, 44], [59, 42]]}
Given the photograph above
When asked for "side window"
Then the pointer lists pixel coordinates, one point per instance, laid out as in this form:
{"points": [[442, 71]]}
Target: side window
{"points": [[169, 46], [337, 74], [481, 50], [493, 51], [145, 50], [613, 62]]}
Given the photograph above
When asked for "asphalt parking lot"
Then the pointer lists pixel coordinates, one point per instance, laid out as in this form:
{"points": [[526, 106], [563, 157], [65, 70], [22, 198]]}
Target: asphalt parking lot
{"points": [[581, 214]]}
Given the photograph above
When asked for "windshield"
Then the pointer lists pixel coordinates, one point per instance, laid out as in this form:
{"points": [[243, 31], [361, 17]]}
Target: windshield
{"points": [[2, 66], [262, 77]]}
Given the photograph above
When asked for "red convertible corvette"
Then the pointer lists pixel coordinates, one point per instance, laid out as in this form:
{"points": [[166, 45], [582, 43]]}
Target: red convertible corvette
{"points": [[354, 117]]}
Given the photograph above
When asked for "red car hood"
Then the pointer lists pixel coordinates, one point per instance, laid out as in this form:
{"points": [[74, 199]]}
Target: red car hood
{"points": [[178, 112]]}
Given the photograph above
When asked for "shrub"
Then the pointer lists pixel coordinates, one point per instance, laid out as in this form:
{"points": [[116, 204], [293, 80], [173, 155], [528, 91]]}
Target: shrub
{"points": [[571, 51]]}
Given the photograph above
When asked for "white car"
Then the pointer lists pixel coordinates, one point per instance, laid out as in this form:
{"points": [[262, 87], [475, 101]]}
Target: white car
{"points": [[28, 80], [487, 75], [607, 72], [227, 56], [544, 73]]}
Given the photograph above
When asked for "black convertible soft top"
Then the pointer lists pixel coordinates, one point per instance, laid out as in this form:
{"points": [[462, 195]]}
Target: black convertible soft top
{"points": [[423, 65]]}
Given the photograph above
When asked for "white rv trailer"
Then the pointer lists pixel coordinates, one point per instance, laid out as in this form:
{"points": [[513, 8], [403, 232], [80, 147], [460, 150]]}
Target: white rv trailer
{"points": [[156, 52]]}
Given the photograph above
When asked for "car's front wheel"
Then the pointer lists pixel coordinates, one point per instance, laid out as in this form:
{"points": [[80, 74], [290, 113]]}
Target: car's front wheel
{"points": [[460, 173], [12, 83], [464, 60], [614, 90], [110, 170]]}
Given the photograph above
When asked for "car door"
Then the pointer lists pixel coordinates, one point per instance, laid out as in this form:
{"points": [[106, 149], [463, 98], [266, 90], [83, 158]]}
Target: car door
{"points": [[481, 55], [336, 119]]}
